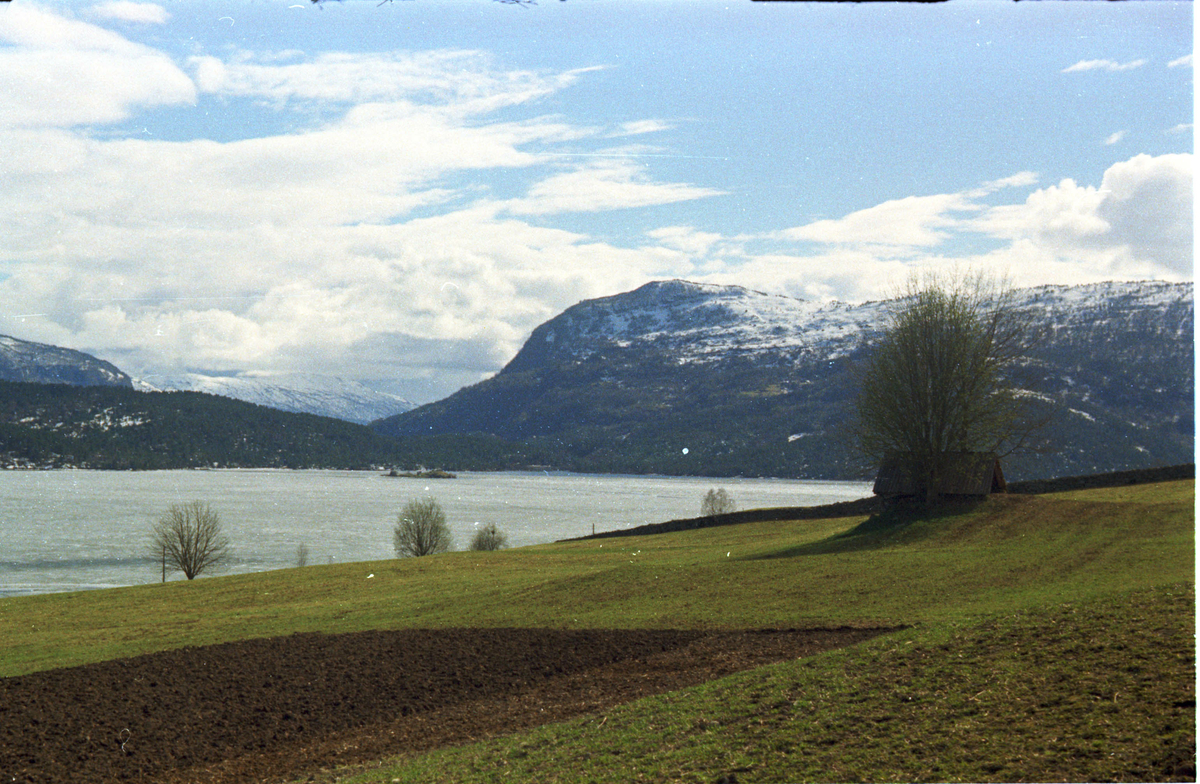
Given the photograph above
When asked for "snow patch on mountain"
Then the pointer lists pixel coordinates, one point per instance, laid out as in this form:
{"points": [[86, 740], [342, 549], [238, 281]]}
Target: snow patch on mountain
{"points": [[304, 393], [23, 360], [700, 323]]}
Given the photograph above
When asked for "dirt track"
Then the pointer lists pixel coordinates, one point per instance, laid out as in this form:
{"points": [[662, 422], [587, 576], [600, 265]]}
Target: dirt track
{"points": [[271, 710]]}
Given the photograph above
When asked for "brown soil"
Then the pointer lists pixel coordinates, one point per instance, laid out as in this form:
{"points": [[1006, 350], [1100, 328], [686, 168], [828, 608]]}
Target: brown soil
{"points": [[283, 708]]}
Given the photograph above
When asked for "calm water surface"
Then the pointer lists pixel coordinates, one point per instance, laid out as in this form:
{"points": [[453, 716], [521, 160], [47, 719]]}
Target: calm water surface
{"points": [[74, 530]]}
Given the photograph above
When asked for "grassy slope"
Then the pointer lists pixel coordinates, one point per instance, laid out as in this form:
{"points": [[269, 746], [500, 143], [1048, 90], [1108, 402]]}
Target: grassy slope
{"points": [[1091, 691], [1080, 666], [1073, 612]]}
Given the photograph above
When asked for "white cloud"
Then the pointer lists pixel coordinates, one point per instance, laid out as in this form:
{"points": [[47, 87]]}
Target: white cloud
{"points": [[1066, 209], [1181, 62], [606, 185], [466, 82], [1181, 128], [1115, 138], [299, 250], [842, 273], [452, 296], [1018, 180], [292, 252], [126, 11], [685, 239], [1148, 203], [1140, 217], [911, 222], [1103, 65], [1136, 224], [638, 127], [56, 71]]}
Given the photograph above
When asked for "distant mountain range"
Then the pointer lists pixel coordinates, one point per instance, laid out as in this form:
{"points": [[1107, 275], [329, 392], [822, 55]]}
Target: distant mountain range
{"points": [[304, 393], [686, 378], [672, 378]]}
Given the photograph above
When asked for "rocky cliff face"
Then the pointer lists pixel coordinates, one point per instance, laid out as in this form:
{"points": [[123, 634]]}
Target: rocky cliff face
{"points": [[21, 360], [752, 383]]}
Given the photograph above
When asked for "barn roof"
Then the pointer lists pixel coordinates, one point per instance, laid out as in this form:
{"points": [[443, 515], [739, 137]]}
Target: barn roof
{"points": [[971, 473]]}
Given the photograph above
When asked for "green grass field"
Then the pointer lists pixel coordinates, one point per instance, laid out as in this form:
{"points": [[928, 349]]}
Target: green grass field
{"points": [[1051, 638]]}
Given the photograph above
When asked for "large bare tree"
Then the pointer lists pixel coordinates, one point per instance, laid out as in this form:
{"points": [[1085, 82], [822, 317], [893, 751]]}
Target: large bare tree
{"points": [[188, 537], [939, 382], [421, 529]]}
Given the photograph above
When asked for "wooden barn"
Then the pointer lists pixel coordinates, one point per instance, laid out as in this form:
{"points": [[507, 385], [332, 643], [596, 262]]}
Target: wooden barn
{"points": [[970, 474]]}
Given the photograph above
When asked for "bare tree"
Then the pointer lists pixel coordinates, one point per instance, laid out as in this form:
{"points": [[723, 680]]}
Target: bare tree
{"points": [[717, 502], [489, 538], [939, 381], [188, 537], [421, 529], [302, 555]]}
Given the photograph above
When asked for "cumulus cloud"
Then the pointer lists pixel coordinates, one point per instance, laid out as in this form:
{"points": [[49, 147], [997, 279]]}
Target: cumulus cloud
{"points": [[62, 72], [126, 11], [1148, 203], [1103, 65], [1140, 217], [1136, 224]]}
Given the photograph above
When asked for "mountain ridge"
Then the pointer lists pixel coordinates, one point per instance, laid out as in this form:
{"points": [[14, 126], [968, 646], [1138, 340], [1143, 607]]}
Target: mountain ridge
{"points": [[41, 363], [300, 393], [678, 377]]}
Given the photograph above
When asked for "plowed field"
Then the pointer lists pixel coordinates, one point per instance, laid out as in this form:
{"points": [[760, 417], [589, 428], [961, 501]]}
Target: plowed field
{"points": [[281, 708]]}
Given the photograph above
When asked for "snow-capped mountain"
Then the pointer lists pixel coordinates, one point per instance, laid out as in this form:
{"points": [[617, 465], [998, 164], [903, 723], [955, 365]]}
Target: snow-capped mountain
{"points": [[700, 323], [305, 393], [22, 360], [680, 377]]}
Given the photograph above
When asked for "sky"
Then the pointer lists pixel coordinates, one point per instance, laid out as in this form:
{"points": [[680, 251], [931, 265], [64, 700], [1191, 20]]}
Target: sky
{"points": [[398, 192]]}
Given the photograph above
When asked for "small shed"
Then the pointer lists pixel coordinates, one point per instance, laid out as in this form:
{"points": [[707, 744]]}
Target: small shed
{"points": [[970, 474]]}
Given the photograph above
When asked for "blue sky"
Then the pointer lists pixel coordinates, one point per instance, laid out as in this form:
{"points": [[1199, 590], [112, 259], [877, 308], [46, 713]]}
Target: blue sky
{"points": [[399, 193]]}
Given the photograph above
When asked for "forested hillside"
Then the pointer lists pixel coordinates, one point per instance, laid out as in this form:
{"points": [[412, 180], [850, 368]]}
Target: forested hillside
{"points": [[45, 425], [685, 378]]}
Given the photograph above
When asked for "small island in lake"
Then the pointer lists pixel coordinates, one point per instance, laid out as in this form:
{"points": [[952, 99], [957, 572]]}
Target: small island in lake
{"points": [[435, 473]]}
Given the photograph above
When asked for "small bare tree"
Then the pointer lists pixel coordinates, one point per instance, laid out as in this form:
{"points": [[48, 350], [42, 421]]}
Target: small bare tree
{"points": [[489, 538], [302, 555], [717, 502], [188, 537], [421, 529]]}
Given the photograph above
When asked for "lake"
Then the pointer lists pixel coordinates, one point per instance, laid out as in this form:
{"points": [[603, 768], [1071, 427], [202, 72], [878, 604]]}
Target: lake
{"points": [[76, 530]]}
